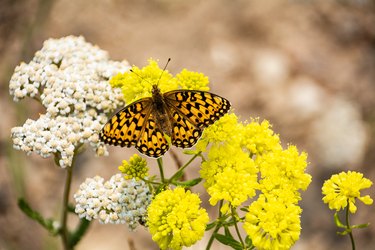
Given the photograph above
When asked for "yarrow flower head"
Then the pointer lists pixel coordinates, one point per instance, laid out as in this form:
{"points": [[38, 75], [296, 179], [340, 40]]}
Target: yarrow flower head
{"points": [[138, 83], [117, 201], [68, 76], [135, 168], [272, 224], [342, 189], [48, 136], [175, 219]]}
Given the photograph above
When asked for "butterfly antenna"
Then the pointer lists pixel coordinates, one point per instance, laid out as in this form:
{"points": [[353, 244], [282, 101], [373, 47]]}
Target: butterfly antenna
{"points": [[131, 70], [157, 83]]}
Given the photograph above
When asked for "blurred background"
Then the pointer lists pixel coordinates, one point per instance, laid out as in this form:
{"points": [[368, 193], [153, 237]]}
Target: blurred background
{"points": [[306, 66]]}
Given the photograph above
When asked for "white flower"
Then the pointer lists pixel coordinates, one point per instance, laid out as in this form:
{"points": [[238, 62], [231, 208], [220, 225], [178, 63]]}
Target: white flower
{"points": [[70, 78], [109, 202]]}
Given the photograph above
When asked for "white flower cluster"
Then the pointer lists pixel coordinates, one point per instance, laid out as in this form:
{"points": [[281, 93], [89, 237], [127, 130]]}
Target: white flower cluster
{"points": [[70, 78], [60, 135], [117, 201]]}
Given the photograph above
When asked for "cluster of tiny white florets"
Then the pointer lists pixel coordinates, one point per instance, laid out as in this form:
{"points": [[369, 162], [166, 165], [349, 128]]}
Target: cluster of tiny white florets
{"points": [[70, 78], [117, 201], [60, 135]]}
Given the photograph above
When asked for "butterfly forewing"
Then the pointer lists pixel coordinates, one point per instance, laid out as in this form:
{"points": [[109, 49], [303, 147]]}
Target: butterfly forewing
{"points": [[201, 108], [125, 127], [191, 112]]}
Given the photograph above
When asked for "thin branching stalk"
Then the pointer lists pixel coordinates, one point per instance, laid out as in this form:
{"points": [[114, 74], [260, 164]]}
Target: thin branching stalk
{"points": [[184, 166], [65, 206], [160, 165], [235, 217], [218, 225], [64, 217], [348, 227]]}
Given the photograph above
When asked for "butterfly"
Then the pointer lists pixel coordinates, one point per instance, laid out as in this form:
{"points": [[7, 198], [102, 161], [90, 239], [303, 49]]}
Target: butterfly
{"points": [[180, 114]]}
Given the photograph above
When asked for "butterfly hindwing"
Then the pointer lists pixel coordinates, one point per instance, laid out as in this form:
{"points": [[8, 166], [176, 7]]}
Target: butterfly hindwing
{"points": [[152, 141], [184, 133], [125, 127]]}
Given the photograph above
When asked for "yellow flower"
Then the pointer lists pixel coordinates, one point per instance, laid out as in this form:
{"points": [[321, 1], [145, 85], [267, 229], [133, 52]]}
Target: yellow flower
{"points": [[259, 137], [225, 130], [138, 84], [135, 168], [192, 80], [175, 219], [342, 189], [230, 175], [283, 173], [272, 224]]}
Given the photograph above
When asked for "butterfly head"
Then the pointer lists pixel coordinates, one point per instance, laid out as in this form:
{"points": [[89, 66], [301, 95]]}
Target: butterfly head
{"points": [[155, 89]]}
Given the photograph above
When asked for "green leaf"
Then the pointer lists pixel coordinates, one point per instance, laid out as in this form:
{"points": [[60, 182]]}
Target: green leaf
{"points": [[249, 242], [71, 208], [211, 225], [191, 151], [177, 176], [34, 215], [227, 232], [80, 231], [338, 222], [245, 209], [189, 183], [361, 225], [228, 241], [343, 232], [230, 222]]}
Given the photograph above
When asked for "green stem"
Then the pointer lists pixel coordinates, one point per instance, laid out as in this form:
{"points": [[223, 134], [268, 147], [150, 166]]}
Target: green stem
{"points": [[218, 225], [211, 240], [235, 216], [64, 218], [348, 227], [150, 182], [160, 164], [184, 166]]}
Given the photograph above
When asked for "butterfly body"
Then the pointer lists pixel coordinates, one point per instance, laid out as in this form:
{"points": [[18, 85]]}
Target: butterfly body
{"points": [[163, 121], [180, 114]]}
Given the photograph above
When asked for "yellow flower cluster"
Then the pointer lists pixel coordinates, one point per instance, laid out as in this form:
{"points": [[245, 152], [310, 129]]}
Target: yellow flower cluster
{"points": [[342, 189], [259, 137], [227, 130], [135, 168], [230, 175], [283, 174], [272, 224], [138, 83], [246, 157], [192, 80], [175, 219]]}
